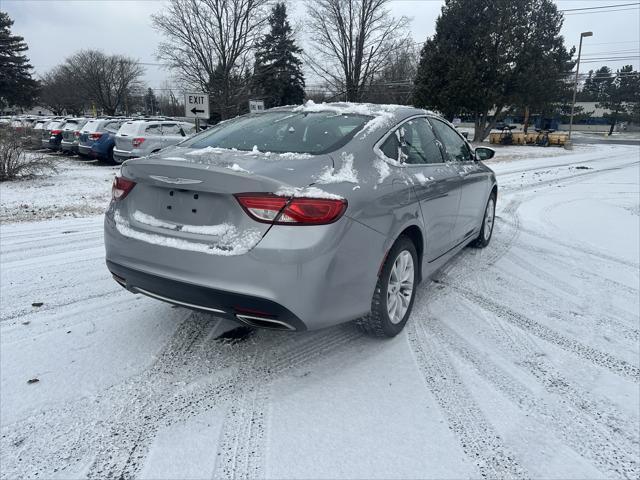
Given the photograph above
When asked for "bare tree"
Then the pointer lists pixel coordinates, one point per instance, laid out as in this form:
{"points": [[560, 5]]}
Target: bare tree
{"points": [[352, 41], [61, 92], [209, 44], [108, 80], [394, 83]]}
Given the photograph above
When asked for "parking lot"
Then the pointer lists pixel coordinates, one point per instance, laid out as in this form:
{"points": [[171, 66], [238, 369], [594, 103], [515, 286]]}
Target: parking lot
{"points": [[520, 360]]}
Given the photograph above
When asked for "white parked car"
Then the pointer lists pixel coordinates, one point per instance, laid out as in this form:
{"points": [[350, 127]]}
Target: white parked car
{"points": [[138, 138]]}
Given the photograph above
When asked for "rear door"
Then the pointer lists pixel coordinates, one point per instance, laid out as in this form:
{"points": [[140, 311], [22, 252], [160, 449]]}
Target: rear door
{"points": [[474, 180], [434, 181]]}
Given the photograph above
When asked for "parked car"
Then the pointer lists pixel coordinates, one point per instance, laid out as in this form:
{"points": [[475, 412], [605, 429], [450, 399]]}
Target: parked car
{"points": [[52, 134], [35, 136], [303, 217], [71, 134], [138, 138], [93, 130]]}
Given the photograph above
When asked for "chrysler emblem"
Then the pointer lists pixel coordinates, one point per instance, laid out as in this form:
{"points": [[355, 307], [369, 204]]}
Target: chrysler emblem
{"points": [[175, 181]]}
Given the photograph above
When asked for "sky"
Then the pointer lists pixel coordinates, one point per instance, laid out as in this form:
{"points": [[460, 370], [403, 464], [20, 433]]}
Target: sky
{"points": [[55, 29]]}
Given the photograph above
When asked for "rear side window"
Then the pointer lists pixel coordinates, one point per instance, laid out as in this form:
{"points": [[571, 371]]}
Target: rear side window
{"points": [[171, 129], [391, 146], [457, 149], [416, 141], [153, 130]]}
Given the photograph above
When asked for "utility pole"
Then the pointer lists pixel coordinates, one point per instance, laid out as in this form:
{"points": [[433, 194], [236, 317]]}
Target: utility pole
{"points": [[575, 85]]}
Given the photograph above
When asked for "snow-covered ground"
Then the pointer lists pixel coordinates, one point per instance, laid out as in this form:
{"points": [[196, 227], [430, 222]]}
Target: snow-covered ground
{"points": [[520, 360], [80, 188]]}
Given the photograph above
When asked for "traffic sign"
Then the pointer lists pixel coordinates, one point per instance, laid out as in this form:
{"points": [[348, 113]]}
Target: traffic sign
{"points": [[196, 105]]}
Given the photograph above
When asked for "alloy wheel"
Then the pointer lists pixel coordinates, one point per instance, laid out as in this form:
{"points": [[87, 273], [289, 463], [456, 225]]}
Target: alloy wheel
{"points": [[400, 286]]}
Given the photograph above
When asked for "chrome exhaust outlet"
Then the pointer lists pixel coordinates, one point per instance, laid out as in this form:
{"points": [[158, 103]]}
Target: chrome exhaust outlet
{"points": [[262, 322]]}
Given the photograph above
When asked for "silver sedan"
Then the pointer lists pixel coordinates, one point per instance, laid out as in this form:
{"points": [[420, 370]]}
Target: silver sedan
{"points": [[302, 217]]}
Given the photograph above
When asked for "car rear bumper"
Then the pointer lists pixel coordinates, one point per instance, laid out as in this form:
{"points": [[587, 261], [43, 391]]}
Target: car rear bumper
{"points": [[84, 149], [307, 277], [124, 154], [51, 144], [246, 309], [68, 146]]}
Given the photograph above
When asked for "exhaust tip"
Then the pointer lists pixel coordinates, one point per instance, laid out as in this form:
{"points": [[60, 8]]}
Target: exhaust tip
{"points": [[262, 322]]}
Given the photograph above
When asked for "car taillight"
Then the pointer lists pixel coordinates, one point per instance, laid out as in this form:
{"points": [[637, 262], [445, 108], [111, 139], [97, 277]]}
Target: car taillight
{"points": [[121, 187], [76, 134], [95, 136], [56, 132], [136, 142], [269, 208]]}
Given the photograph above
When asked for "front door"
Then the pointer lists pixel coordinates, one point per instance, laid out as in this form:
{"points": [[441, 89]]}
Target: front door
{"points": [[474, 180]]}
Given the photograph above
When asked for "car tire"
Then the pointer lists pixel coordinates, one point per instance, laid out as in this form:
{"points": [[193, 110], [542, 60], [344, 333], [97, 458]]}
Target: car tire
{"points": [[111, 158], [488, 221], [380, 322]]}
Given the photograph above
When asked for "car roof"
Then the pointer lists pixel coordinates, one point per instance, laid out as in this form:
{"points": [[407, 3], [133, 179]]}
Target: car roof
{"points": [[371, 109]]}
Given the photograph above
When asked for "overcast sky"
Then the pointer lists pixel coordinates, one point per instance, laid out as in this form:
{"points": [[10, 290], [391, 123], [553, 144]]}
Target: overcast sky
{"points": [[54, 29]]}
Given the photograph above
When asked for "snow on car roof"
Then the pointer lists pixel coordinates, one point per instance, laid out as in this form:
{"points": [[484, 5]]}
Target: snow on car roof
{"points": [[383, 114]]}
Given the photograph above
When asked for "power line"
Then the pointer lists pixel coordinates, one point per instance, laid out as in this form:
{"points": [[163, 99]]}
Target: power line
{"points": [[599, 8], [601, 11]]}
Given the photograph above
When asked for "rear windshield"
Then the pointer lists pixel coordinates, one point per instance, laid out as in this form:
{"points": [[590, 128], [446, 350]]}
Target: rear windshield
{"points": [[55, 124], [91, 126], [129, 128], [69, 124], [304, 132]]}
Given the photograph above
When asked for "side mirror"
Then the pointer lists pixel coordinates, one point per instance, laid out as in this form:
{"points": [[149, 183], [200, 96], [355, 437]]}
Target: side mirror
{"points": [[484, 153]]}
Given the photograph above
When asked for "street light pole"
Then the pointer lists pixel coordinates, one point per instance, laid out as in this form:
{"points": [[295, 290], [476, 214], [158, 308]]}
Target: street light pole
{"points": [[575, 85]]}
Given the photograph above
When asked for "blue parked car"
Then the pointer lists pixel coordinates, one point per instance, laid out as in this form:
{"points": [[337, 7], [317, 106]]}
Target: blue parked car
{"points": [[94, 129], [102, 147]]}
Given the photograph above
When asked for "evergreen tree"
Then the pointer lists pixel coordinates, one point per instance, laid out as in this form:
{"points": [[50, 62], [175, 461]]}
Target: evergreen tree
{"points": [[150, 102], [621, 96], [597, 84], [278, 76], [489, 55], [17, 88]]}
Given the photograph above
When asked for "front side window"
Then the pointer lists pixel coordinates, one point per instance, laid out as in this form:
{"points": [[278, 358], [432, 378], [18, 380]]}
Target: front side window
{"points": [[281, 132], [457, 149]]}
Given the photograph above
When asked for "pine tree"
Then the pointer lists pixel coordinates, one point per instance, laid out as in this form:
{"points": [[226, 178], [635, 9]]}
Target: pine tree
{"points": [[489, 55], [621, 96], [597, 84], [17, 88], [278, 76]]}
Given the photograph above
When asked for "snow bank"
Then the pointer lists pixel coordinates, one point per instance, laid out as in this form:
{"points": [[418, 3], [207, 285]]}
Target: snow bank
{"points": [[232, 242], [346, 173]]}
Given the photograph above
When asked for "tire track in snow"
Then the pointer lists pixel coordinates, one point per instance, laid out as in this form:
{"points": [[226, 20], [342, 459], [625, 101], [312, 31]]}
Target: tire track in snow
{"points": [[241, 446], [565, 309], [478, 439], [577, 268], [607, 442], [240, 451], [601, 359], [580, 248], [28, 452]]}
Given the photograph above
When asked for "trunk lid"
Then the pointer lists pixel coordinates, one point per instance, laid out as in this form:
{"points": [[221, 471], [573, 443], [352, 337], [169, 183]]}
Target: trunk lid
{"points": [[191, 197]]}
